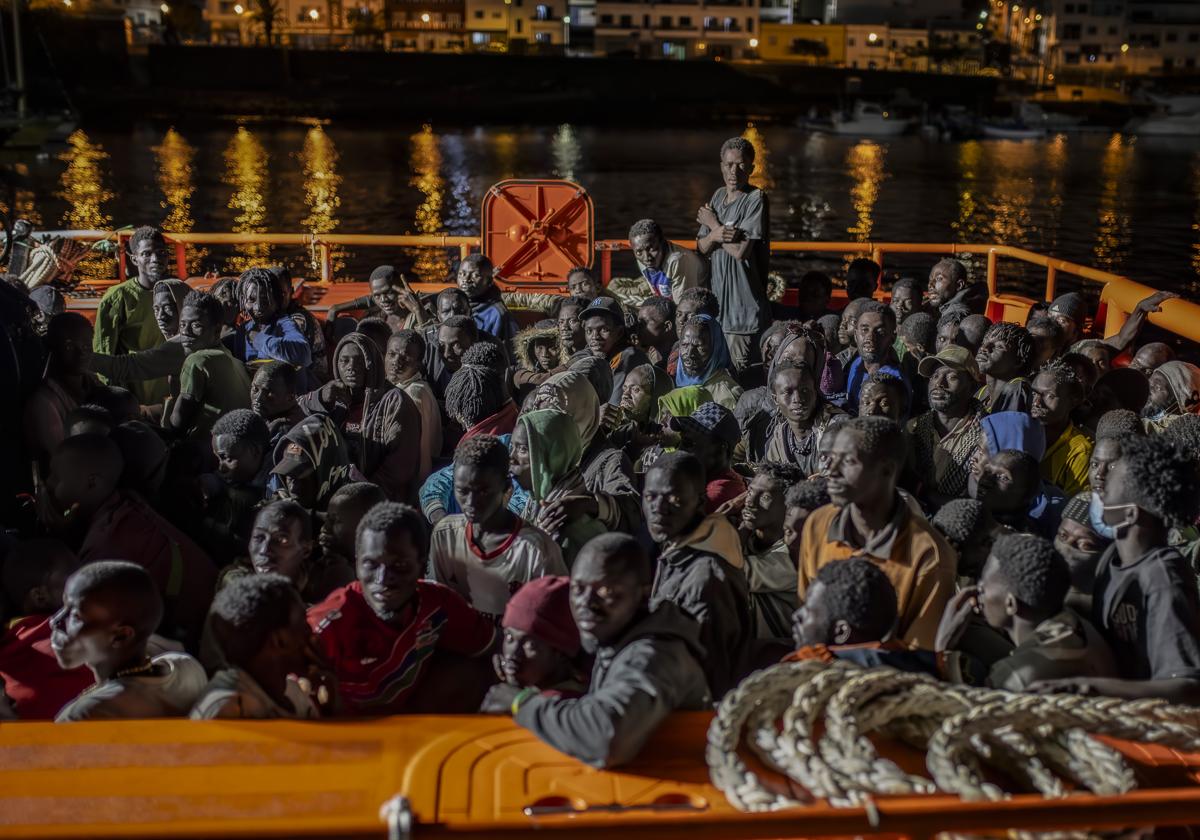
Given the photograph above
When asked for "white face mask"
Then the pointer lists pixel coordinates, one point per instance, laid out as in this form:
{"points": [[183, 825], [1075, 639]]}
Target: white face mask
{"points": [[1096, 518]]}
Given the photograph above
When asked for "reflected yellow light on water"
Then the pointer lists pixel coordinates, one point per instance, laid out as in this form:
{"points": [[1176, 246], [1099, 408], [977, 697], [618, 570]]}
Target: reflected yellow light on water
{"points": [[566, 152], [1007, 210], [866, 164], [1112, 229], [761, 176], [505, 144], [430, 264], [319, 159], [24, 204], [81, 186], [176, 181], [966, 225], [246, 172], [1056, 160]]}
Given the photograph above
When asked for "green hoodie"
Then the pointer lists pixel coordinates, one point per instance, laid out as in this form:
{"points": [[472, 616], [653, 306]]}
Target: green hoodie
{"points": [[683, 402], [555, 450]]}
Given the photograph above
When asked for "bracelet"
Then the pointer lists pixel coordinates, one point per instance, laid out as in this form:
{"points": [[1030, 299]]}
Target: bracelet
{"points": [[522, 695]]}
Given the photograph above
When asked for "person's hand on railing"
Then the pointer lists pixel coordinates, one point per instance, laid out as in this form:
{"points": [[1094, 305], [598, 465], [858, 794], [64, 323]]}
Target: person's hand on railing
{"points": [[1154, 302]]}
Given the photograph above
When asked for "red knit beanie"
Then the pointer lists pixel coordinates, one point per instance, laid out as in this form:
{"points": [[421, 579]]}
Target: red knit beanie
{"points": [[542, 609]]}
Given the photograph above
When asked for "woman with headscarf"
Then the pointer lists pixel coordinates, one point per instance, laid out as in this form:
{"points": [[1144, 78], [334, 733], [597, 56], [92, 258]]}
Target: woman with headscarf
{"points": [[379, 421], [608, 473], [268, 332], [1174, 392], [704, 360], [545, 452], [801, 416]]}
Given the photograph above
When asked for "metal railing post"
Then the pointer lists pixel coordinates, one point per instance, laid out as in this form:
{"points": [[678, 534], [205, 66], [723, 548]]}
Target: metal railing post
{"points": [[1051, 282], [181, 260], [991, 273], [605, 266]]}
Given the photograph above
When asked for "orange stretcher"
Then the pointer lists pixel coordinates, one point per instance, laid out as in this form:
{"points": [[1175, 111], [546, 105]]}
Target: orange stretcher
{"points": [[469, 776]]}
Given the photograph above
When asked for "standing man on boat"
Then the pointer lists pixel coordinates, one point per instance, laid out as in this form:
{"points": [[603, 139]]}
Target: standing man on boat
{"points": [[735, 230], [125, 321]]}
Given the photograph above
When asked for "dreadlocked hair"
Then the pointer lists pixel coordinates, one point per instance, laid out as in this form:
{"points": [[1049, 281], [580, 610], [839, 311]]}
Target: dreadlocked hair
{"points": [[263, 280], [487, 452], [809, 494], [1162, 478], [487, 355], [859, 593], [1038, 575], [1016, 337], [1063, 374], [475, 393]]}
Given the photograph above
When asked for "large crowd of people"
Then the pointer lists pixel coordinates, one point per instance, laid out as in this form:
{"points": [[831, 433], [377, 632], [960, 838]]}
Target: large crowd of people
{"points": [[225, 507]]}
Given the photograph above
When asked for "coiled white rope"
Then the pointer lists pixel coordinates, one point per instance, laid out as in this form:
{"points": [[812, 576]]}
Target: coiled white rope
{"points": [[810, 722]]}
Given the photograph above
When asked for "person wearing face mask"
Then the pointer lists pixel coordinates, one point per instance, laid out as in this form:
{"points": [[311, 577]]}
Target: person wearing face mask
{"points": [[378, 421], [1081, 546], [647, 662], [1174, 391], [475, 278], [1145, 600]]}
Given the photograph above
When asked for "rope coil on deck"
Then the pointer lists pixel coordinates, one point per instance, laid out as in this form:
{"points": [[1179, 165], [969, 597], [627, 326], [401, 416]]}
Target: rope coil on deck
{"points": [[809, 721]]}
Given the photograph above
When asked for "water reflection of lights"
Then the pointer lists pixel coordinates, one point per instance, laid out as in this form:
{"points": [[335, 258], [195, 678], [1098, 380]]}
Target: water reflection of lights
{"points": [[176, 181], [1112, 230], [761, 176], [966, 225], [319, 159], [1008, 207], [461, 216], [82, 188], [566, 152], [430, 264], [246, 172], [24, 202], [866, 162], [1056, 160], [505, 145]]}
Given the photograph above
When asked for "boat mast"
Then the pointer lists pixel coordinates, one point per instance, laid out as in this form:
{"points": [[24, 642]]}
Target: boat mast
{"points": [[18, 58]]}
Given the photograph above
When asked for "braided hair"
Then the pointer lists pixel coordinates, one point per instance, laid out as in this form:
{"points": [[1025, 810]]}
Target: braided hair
{"points": [[475, 393], [264, 281]]}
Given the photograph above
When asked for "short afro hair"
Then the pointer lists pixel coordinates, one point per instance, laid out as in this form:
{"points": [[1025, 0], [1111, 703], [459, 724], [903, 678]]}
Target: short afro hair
{"points": [[631, 553], [739, 144], [278, 373], [956, 318], [569, 300], [859, 593], [952, 268], [1063, 375], [972, 329], [960, 521], [785, 474], [146, 233], [479, 261], [391, 518], [376, 329], [881, 437], [1016, 337], [206, 305], [1038, 576], [462, 322], [883, 379], [920, 329], [1119, 423], [247, 611], [664, 305], [706, 302], [862, 278], [486, 452], [809, 494], [362, 494], [1185, 430], [875, 307], [243, 424], [408, 338], [1021, 462], [1162, 478], [1046, 324], [684, 463], [914, 284], [646, 227], [289, 509], [128, 585]]}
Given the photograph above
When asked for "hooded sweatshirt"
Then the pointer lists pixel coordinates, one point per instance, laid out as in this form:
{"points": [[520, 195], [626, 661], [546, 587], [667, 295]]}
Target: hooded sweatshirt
{"points": [[491, 315], [554, 452], [1184, 382], [379, 431], [715, 377], [528, 375], [651, 671], [701, 573], [322, 444]]}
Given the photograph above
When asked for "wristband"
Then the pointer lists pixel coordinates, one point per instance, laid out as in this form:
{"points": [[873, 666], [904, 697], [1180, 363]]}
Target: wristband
{"points": [[522, 695]]}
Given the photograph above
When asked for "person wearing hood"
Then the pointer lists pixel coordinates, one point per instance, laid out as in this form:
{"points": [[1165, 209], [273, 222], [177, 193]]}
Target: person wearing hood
{"points": [[476, 278], [597, 372], [801, 417], [704, 361], [1174, 391], [48, 302], [608, 338], [701, 567], [538, 350], [613, 500], [641, 397], [311, 463], [545, 451], [378, 421], [950, 286], [647, 662]]}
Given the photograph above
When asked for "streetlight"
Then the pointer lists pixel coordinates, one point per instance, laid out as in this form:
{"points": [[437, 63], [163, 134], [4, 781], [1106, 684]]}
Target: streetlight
{"points": [[425, 18], [872, 37], [566, 31], [1124, 48], [238, 9], [165, 9], [313, 14], [753, 43]]}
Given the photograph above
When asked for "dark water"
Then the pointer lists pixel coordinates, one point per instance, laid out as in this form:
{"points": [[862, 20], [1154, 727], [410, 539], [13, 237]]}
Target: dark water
{"points": [[1114, 202]]}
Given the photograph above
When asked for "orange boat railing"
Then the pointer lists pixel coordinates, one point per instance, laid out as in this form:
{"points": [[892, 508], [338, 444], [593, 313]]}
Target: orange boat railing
{"points": [[1118, 297]]}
